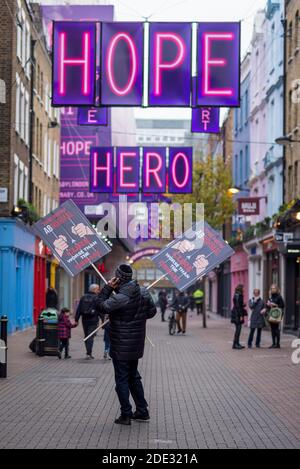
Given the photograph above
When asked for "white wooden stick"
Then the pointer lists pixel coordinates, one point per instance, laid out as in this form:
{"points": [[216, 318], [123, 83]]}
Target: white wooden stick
{"points": [[96, 330], [156, 281]]}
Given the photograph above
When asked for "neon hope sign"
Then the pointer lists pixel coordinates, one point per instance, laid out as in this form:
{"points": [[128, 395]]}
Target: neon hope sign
{"points": [[76, 54]]}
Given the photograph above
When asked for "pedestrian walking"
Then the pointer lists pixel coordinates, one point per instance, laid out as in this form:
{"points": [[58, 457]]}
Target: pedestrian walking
{"points": [[238, 314], [128, 310], [180, 305], [89, 315], [51, 298], [64, 332], [198, 299], [162, 302], [275, 308], [191, 302], [257, 320]]}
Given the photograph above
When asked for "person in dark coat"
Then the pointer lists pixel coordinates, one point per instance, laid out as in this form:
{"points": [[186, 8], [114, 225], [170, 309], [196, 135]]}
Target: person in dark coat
{"points": [[64, 331], [275, 301], [128, 308], [90, 317], [257, 320], [238, 314], [162, 302], [181, 304], [51, 298]]}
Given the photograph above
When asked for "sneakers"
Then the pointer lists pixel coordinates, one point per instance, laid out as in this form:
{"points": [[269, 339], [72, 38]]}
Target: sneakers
{"points": [[141, 417], [106, 356], [123, 420], [89, 357]]}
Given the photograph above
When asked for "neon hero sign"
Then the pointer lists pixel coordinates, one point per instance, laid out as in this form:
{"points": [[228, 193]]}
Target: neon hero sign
{"points": [[76, 51], [157, 177]]}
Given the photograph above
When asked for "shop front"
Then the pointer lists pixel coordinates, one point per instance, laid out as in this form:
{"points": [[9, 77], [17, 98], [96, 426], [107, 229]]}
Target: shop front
{"points": [[39, 298], [17, 251], [292, 288], [240, 272]]}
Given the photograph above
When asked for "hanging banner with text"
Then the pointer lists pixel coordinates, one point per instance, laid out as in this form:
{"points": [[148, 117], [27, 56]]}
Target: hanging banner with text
{"points": [[122, 64], [71, 238], [92, 116], [74, 63], [189, 258], [205, 120], [218, 82], [170, 64], [157, 177], [123, 82]]}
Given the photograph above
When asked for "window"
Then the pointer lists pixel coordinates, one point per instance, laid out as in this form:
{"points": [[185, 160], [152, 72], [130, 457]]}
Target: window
{"points": [[236, 163], [41, 143], [49, 158], [246, 106], [45, 159], [16, 179], [297, 26], [27, 58], [241, 168], [18, 101], [247, 164], [290, 36], [26, 183], [22, 111], [26, 118], [21, 180], [19, 32]]}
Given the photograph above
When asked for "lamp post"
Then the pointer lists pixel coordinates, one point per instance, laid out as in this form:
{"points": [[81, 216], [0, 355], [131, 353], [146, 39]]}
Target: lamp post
{"points": [[285, 141]]}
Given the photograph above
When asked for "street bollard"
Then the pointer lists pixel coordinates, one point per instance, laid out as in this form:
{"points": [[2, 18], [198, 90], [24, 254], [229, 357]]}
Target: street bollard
{"points": [[3, 347], [40, 338]]}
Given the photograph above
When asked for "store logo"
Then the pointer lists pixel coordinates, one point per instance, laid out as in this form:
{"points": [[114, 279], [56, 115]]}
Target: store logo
{"points": [[296, 354]]}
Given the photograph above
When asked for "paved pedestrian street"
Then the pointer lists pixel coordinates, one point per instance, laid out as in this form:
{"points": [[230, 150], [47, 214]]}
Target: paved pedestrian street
{"points": [[202, 394]]}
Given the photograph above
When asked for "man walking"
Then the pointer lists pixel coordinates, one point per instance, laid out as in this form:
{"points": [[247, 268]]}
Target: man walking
{"points": [[89, 315], [128, 310], [198, 299]]}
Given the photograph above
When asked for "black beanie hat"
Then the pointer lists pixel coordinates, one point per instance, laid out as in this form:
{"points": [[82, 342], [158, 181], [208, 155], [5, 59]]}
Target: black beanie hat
{"points": [[124, 272]]}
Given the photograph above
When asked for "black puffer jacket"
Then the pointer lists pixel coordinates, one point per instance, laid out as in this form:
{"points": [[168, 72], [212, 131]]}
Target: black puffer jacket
{"points": [[128, 312]]}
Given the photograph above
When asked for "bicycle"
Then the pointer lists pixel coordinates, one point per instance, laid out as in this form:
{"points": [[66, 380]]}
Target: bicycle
{"points": [[172, 322]]}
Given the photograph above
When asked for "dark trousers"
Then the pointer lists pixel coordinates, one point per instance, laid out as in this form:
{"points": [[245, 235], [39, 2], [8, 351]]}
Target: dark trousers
{"points": [[275, 330], [129, 381], [237, 335], [251, 337], [163, 310], [88, 329], [64, 345], [199, 308], [106, 339]]}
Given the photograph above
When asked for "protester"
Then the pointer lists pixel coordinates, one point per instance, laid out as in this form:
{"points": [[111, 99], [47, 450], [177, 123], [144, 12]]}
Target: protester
{"points": [[198, 299], [64, 332], [191, 302], [257, 320], [128, 309], [275, 307], [238, 314], [180, 305], [90, 317], [51, 298], [162, 302]]}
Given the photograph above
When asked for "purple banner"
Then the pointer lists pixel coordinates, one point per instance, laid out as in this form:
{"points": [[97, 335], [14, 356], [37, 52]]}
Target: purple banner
{"points": [[154, 170], [206, 120], [194, 255], [181, 170], [122, 64], [93, 116], [76, 140], [170, 64], [74, 63], [102, 170], [218, 82], [71, 238], [128, 169]]}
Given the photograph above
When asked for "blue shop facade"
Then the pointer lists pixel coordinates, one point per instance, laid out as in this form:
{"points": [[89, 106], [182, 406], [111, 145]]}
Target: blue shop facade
{"points": [[17, 250]]}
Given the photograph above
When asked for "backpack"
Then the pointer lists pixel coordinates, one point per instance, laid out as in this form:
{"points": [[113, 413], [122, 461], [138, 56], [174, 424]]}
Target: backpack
{"points": [[275, 316], [87, 306]]}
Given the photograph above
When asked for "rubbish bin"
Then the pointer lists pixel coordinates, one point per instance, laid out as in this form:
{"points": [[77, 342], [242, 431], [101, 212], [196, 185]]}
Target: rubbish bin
{"points": [[50, 332]]}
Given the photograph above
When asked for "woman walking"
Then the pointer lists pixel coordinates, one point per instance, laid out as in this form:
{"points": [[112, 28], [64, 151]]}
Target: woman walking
{"points": [[257, 320]]}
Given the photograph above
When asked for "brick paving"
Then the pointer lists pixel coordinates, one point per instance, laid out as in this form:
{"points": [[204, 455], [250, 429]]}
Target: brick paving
{"points": [[202, 394]]}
